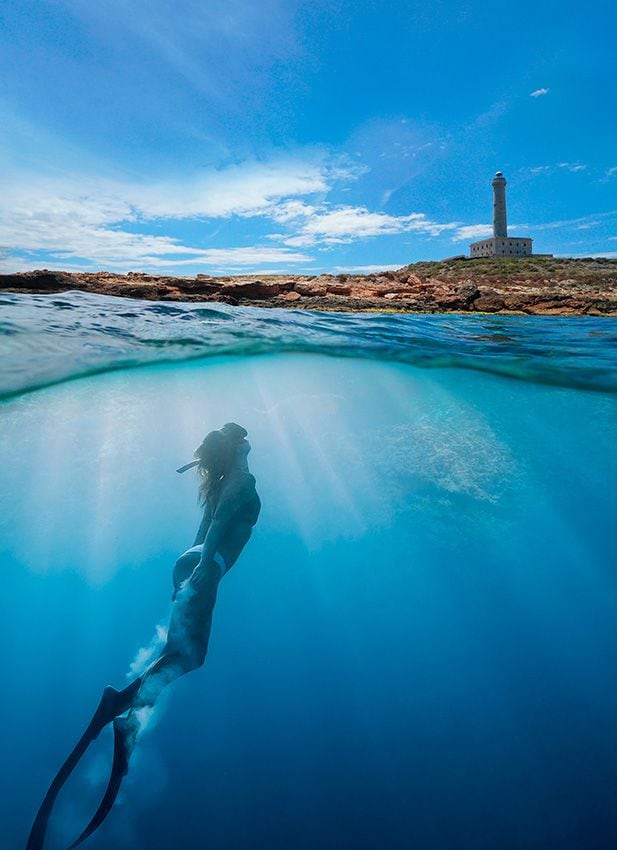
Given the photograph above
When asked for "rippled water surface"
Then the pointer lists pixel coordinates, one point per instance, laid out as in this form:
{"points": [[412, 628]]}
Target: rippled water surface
{"points": [[46, 339], [417, 649]]}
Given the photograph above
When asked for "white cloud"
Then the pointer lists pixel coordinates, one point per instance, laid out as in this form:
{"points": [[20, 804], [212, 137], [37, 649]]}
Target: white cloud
{"points": [[538, 169], [237, 257], [347, 223], [292, 211], [384, 267], [247, 189], [612, 171], [472, 231], [605, 255], [535, 170], [539, 93], [85, 218], [572, 166], [574, 222], [11, 263]]}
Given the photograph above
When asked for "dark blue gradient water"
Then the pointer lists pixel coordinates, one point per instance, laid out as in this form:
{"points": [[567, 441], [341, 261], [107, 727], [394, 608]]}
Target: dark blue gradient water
{"points": [[417, 648]]}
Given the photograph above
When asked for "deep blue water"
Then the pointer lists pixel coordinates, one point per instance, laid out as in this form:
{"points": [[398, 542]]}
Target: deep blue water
{"points": [[418, 647]]}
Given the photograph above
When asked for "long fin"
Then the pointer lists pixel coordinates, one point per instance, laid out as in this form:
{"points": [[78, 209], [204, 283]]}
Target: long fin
{"points": [[111, 704], [124, 742]]}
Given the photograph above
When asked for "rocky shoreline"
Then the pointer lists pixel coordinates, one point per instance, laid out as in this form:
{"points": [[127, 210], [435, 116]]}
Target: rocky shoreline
{"points": [[533, 285]]}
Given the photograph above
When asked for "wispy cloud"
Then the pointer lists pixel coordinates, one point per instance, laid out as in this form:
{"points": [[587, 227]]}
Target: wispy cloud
{"points": [[90, 222], [588, 222], [602, 255], [369, 269], [536, 170], [11, 263], [572, 166], [593, 218], [611, 172], [487, 119], [247, 189], [539, 93], [472, 231], [343, 224], [223, 48], [99, 222]]}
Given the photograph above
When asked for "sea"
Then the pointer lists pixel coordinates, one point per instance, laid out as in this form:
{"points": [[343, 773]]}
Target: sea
{"points": [[417, 649]]}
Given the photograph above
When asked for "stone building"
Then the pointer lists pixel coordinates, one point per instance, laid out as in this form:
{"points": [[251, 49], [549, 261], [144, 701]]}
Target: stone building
{"points": [[500, 245]]}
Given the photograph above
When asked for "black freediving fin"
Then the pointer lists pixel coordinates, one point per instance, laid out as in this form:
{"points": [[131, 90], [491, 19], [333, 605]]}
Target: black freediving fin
{"points": [[124, 742], [112, 703]]}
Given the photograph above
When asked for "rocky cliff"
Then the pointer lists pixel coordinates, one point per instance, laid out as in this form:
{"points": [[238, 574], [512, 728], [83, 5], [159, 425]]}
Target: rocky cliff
{"points": [[532, 285]]}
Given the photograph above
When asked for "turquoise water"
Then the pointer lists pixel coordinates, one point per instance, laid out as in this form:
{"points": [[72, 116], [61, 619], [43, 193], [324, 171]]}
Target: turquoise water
{"points": [[417, 647]]}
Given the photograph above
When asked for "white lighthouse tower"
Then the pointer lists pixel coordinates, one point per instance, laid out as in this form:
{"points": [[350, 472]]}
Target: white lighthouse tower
{"points": [[501, 245], [500, 219]]}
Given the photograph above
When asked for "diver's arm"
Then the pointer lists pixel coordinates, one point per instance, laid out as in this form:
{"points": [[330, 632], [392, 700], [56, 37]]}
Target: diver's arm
{"points": [[212, 541], [203, 528], [210, 548], [220, 520], [225, 515]]}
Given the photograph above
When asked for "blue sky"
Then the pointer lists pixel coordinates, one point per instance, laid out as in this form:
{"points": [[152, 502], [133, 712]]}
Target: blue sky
{"points": [[285, 135]]}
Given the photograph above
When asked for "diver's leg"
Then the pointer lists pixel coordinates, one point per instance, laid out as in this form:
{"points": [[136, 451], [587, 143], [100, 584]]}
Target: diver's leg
{"points": [[124, 742], [185, 650], [112, 704], [183, 568]]}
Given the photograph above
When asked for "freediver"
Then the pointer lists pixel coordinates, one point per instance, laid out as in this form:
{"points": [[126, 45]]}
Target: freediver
{"points": [[231, 507]]}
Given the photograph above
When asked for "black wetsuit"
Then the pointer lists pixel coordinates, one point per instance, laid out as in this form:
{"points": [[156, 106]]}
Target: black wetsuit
{"points": [[233, 512], [236, 507]]}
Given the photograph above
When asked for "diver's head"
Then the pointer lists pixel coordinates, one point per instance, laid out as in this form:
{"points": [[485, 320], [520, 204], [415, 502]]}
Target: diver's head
{"points": [[216, 455]]}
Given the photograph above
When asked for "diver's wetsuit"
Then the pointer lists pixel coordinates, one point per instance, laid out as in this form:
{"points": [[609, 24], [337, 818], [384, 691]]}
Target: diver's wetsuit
{"points": [[231, 518], [236, 509]]}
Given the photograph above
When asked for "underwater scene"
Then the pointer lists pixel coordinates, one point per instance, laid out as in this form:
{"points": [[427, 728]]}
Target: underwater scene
{"points": [[414, 640]]}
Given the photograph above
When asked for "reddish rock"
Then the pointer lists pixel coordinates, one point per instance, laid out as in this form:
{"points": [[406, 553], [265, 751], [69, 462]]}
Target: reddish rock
{"points": [[311, 289], [517, 302], [467, 292], [338, 289], [393, 287], [411, 280], [201, 285], [38, 280], [253, 290], [359, 291], [450, 302], [488, 301]]}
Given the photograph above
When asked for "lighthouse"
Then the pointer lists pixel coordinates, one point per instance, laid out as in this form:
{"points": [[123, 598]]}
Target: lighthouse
{"points": [[500, 219], [501, 245]]}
